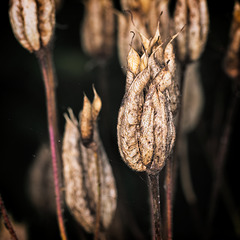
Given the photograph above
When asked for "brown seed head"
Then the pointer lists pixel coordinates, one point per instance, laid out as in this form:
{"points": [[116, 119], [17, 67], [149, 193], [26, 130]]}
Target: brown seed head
{"points": [[81, 173], [33, 22], [232, 58], [97, 32], [193, 14], [146, 131]]}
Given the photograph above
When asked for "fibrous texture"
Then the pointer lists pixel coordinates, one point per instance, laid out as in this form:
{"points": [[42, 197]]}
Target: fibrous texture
{"points": [[146, 131], [81, 153]]}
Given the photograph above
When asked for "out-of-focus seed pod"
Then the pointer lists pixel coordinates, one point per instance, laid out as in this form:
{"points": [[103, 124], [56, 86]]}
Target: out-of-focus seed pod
{"points": [[180, 19], [33, 22], [41, 187], [232, 58], [193, 14], [98, 28], [192, 99], [146, 131], [140, 6], [81, 173], [159, 13]]}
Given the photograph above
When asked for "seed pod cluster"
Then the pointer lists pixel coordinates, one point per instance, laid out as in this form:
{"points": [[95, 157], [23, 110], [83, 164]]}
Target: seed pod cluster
{"points": [[193, 14], [146, 131], [82, 147], [232, 58], [97, 32], [33, 22]]}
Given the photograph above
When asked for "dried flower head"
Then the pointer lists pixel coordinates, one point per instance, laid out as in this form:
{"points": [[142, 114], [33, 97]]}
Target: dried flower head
{"points": [[33, 22], [146, 131], [232, 58], [193, 14], [98, 28], [81, 172]]}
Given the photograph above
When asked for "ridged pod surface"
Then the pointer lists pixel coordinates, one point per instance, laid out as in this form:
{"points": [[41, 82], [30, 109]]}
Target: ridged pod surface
{"points": [[33, 22], [81, 172]]}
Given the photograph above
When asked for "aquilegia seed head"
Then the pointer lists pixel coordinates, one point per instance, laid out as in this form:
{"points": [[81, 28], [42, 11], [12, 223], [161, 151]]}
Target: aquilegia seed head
{"points": [[33, 22], [98, 28], [146, 131], [81, 150], [194, 16]]}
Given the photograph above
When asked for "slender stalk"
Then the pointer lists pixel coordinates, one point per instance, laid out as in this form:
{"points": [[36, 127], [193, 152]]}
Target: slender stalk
{"points": [[44, 56], [221, 155], [169, 193], [155, 206], [98, 210], [6, 220]]}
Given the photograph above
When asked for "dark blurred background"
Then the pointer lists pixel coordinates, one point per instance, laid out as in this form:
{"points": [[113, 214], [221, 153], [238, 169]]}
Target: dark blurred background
{"points": [[24, 129]]}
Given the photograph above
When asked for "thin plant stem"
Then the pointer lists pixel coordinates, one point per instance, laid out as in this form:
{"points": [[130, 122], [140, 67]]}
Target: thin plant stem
{"points": [[6, 220], [98, 210], [220, 157], [168, 189], [44, 56], [153, 180]]}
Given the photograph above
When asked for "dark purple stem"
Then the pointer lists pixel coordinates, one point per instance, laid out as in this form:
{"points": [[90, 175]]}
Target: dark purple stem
{"points": [[44, 56], [6, 220]]}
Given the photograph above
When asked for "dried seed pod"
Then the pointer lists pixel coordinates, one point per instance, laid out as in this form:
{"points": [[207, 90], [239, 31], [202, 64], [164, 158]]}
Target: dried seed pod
{"points": [[129, 121], [146, 131], [180, 19], [192, 98], [80, 167], [41, 187], [232, 59], [146, 138], [140, 6], [193, 14], [159, 14], [164, 132], [98, 28], [33, 22]]}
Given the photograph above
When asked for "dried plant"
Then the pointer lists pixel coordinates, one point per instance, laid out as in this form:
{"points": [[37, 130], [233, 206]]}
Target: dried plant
{"points": [[193, 14], [162, 104], [98, 30], [40, 182], [90, 189], [33, 24], [146, 131], [231, 61]]}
